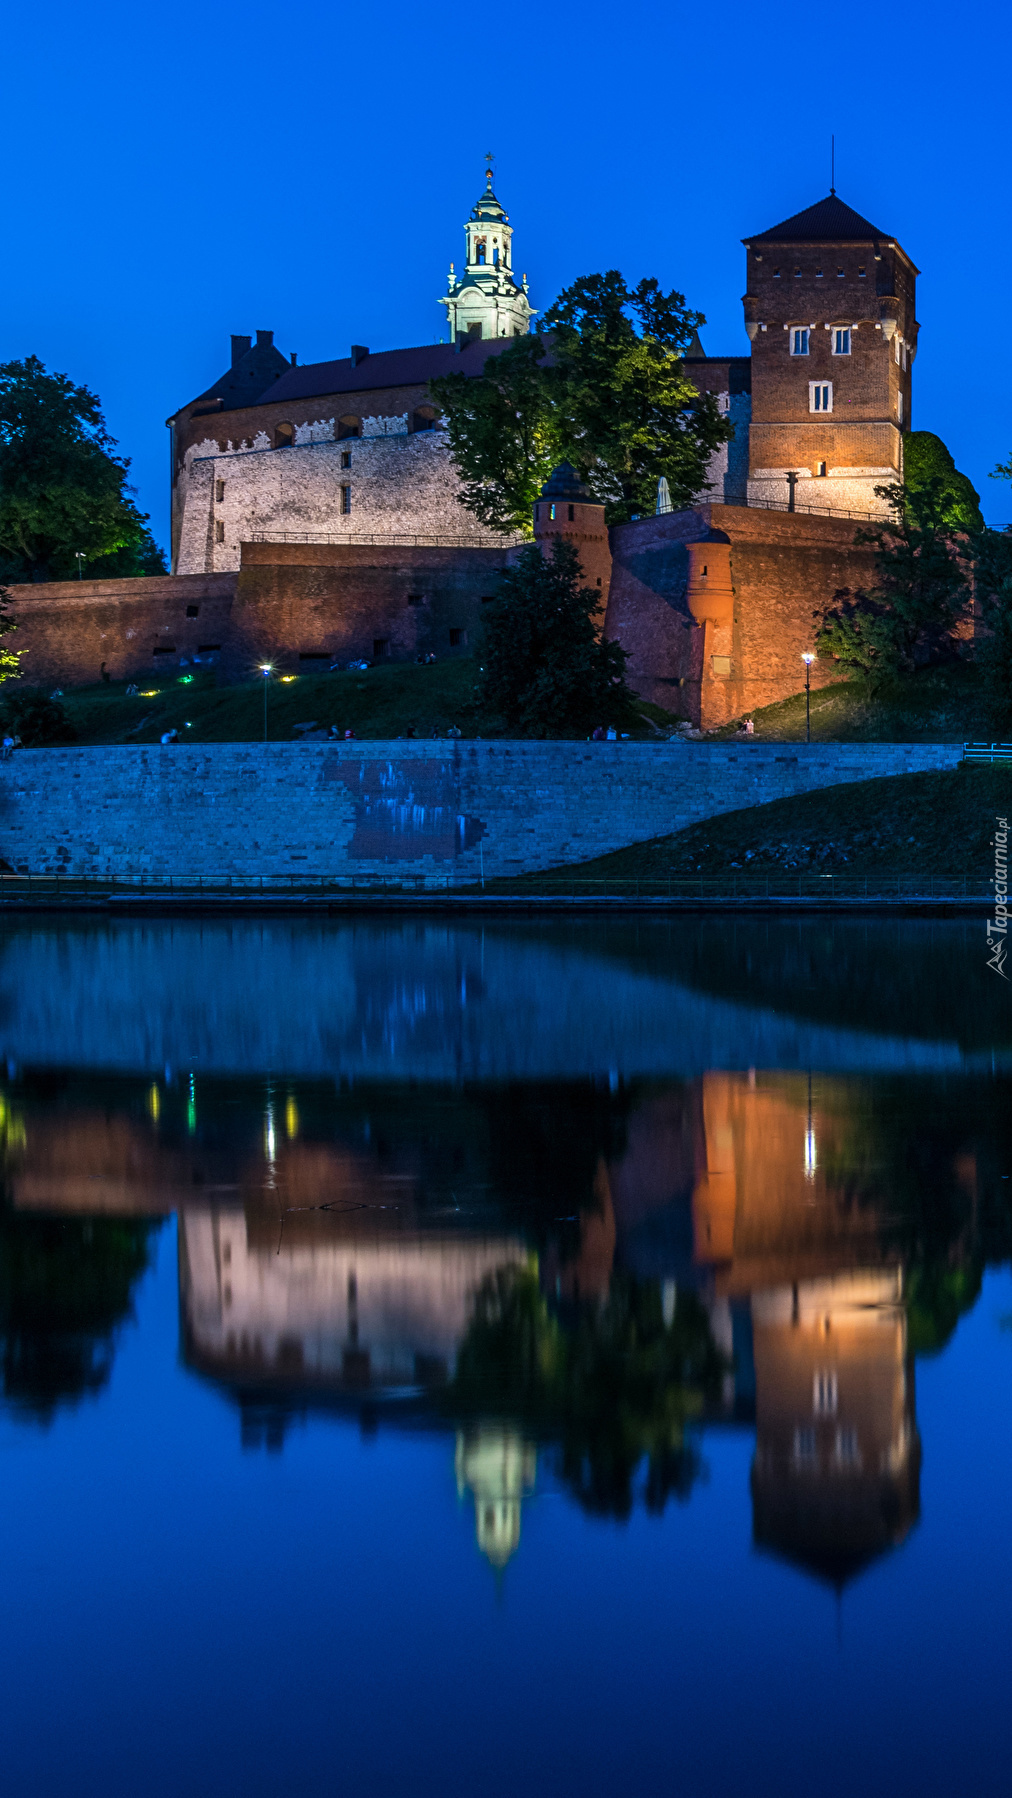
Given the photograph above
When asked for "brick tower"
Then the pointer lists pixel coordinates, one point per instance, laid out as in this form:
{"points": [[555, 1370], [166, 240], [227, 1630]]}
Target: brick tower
{"points": [[568, 509], [829, 307]]}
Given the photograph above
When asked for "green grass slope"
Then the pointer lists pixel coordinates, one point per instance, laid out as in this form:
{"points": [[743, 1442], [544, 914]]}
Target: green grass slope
{"points": [[907, 826], [936, 705]]}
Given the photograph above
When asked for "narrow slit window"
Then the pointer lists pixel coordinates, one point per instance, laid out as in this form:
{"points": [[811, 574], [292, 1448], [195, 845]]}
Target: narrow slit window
{"points": [[345, 501], [219, 532], [219, 491]]}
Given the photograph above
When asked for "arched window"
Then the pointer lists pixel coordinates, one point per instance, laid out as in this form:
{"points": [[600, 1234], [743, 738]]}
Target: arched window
{"points": [[349, 427], [284, 436], [479, 252], [424, 418], [495, 258]]}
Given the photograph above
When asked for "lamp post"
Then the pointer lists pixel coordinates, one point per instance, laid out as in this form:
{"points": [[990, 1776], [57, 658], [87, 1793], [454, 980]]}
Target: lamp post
{"points": [[79, 557], [266, 669], [808, 658]]}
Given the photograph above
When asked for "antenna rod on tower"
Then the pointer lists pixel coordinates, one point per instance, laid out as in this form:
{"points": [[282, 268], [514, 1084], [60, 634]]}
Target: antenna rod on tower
{"points": [[832, 163]]}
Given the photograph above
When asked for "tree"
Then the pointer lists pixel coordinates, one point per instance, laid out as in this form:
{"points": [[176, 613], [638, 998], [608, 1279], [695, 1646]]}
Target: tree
{"points": [[628, 411], [39, 721], [9, 659], [908, 617], [603, 387], [925, 458], [544, 669], [503, 434], [63, 490], [994, 651]]}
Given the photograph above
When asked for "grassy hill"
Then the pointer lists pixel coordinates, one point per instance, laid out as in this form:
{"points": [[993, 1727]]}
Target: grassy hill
{"points": [[936, 705], [906, 827]]}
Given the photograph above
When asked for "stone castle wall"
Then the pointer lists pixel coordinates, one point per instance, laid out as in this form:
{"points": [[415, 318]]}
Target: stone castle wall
{"points": [[423, 811], [69, 632]]}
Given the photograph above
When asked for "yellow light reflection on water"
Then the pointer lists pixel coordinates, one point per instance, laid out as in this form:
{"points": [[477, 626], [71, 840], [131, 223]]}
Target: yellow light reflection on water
{"points": [[154, 1103], [291, 1118]]}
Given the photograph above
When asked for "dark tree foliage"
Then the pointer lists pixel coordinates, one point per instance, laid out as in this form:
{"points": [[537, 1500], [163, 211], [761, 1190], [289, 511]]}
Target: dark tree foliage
{"points": [[611, 1384], [994, 649], [906, 621], [627, 409], [544, 669], [503, 434], [9, 659], [63, 490], [925, 458], [65, 1286], [603, 386], [39, 721]]}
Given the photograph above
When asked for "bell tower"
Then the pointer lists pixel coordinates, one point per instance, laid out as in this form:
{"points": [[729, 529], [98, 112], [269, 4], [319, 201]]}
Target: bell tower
{"points": [[486, 299], [830, 310]]}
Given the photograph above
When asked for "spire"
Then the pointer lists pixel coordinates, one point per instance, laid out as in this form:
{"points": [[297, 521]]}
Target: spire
{"points": [[485, 299]]}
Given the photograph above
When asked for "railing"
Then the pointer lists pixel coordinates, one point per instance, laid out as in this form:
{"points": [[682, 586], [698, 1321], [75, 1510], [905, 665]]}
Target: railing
{"points": [[804, 886], [782, 505], [987, 752], [416, 540]]}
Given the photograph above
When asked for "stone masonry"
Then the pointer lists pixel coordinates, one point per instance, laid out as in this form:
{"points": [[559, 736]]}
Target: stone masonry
{"points": [[420, 811]]}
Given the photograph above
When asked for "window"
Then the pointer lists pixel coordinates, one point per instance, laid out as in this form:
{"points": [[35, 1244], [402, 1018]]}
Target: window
{"points": [[345, 458], [345, 501], [424, 419], [207, 649], [818, 274], [537, 513], [797, 274], [824, 1394], [804, 1446], [820, 396], [896, 348], [219, 532], [862, 274], [495, 259], [899, 406], [776, 274], [458, 637], [284, 436], [839, 274], [219, 491], [841, 340], [415, 599], [572, 514], [846, 1453], [799, 340], [474, 332], [349, 427], [164, 649], [193, 611], [380, 648], [551, 511], [479, 252], [820, 468]]}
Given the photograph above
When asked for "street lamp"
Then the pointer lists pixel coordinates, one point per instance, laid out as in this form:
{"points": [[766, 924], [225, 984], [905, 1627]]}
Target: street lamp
{"points": [[266, 669], [79, 557], [808, 658]]}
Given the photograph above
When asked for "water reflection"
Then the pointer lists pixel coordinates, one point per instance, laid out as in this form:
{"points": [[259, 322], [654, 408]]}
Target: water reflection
{"points": [[574, 1282]]}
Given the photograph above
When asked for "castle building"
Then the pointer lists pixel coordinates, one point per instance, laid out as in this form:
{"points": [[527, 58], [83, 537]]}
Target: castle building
{"points": [[830, 311]]}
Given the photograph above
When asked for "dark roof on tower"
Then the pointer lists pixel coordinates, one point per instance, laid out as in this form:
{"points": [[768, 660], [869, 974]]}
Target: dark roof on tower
{"points": [[565, 483], [828, 221]]}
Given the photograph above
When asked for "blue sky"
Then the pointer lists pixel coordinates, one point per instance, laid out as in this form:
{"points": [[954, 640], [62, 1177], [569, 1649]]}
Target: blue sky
{"points": [[175, 175]]}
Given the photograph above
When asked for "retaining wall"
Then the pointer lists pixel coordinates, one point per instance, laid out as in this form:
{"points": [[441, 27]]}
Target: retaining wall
{"points": [[415, 809]]}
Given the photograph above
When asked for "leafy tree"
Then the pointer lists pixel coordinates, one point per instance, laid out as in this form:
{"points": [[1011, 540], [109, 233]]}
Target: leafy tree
{"points": [[9, 659], [63, 490], [994, 651], [925, 458], [503, 434], [628, 411], [544, 669], [604, 387], [921, 587], [39, 721], [611, 1383]]}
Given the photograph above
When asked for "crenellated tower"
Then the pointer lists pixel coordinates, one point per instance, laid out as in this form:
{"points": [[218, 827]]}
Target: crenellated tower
{"points": [[830, 310], [486, 299]]}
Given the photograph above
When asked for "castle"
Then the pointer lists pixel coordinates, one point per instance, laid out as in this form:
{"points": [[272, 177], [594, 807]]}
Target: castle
{"points": [[315, 514]]}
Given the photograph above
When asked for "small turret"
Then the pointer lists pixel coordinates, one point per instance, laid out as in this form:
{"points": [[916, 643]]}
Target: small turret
{"points": [[568, 509]]}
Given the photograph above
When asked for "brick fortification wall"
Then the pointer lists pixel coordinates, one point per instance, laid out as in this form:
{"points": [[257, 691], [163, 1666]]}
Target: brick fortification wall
{"points": [[712, 662], [69, 631], [423, 810]]}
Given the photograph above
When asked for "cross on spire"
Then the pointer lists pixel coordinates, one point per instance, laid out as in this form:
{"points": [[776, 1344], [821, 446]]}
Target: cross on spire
{"points": [[489, 158]]}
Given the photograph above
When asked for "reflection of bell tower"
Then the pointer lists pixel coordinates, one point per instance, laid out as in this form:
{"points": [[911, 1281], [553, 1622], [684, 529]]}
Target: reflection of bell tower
{"points": [[499, 1467], [835, 1480], [486, 299]]}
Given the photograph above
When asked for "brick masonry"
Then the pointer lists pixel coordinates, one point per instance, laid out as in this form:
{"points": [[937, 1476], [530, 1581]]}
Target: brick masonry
{"points": [[424, 811]]}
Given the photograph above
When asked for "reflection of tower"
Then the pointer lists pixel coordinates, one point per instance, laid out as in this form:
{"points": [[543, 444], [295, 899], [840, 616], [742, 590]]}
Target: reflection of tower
{"points": [[836, 1474], [499, 1467]]}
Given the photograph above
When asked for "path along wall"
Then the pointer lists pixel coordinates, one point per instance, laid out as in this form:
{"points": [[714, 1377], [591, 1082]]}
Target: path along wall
{"points": [[423, 810]]}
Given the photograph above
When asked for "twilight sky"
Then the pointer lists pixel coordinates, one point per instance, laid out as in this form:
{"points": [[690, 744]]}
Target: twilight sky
{"points": [[176, 175]]}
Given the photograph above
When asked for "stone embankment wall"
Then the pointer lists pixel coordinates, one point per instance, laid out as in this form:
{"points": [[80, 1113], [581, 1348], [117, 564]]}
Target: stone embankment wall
{"points": [[416, 810]]}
